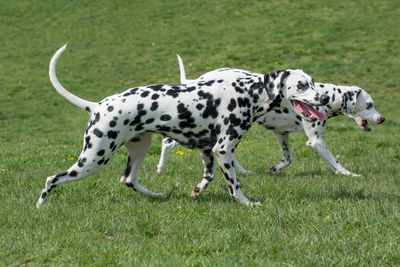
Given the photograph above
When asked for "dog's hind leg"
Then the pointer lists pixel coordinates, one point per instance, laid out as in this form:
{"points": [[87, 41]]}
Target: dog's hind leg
{"points": [[283, 140], [209, 172], [91, 161], [167, 145], [137, 149]]}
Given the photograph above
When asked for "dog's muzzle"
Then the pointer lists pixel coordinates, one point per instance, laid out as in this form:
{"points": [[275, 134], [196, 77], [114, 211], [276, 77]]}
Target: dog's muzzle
{"points": [[381, 120]]}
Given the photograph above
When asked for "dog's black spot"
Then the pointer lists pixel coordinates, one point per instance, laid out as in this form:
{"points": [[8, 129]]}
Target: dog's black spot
{"points": [[184, 114], [112, 134], [209, 83], [154, 106], [199, 106], [243, 102], [145, 94], [148, 121], [140, 106], [101, 152], [110, 108], [232, 133], [139, 127], [112, 144], [112, 123], [81, 162], [177, 131], [211, 109], [234, 120], [100, 161], [165, 117], [173, 92], [73, 174], [226, 121], [227, 166], [126, 122], [232, 105], [155, 96], [98, 133]]}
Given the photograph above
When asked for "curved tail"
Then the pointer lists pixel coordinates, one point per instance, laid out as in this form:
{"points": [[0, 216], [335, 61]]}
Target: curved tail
{"points": [[79, 102], [182, 71]]}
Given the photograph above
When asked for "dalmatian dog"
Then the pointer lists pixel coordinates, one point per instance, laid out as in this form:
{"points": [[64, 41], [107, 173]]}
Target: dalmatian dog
{"points": [[350, 101], [210, 115]]}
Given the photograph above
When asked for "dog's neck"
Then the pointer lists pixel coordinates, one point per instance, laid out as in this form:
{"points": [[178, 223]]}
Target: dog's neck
{"points": [[336, 105]]}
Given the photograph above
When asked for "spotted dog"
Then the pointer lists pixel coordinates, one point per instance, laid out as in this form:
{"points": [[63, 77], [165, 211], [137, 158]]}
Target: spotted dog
{"points": [[350, 101], [210, 115]]}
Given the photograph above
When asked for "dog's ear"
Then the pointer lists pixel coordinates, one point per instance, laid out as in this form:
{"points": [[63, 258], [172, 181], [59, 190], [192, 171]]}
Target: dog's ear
{"points": [[350, 99], [273, 84], [285, 74]]}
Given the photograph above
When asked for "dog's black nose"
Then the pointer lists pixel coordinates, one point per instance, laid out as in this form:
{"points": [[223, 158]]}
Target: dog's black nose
{"points": [[324, 99], [381, 119]]}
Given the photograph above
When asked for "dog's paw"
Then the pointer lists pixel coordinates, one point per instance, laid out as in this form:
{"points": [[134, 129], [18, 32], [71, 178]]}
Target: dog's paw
{"points": [[254, 204], [246, 172], [346, 172], [160, 196], [273, 170], [195, 192]]}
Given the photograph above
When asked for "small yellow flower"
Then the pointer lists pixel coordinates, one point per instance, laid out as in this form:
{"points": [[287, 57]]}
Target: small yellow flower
{"points": [[71, 158], [208, 68], [180, 153], [190, 151], [327, 217], [229, 50], [276, 62]]}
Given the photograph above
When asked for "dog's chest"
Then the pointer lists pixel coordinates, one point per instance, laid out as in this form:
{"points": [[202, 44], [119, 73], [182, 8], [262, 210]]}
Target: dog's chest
{"points": [[281, 121]]}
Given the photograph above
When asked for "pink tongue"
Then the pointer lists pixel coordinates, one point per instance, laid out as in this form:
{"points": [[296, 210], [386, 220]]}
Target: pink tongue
{"points": [[308, 110], [315, 114]]}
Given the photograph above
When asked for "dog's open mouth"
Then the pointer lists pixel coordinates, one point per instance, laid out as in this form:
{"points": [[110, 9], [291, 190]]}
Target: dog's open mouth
{"points": [[307, 111], [364, 125]]}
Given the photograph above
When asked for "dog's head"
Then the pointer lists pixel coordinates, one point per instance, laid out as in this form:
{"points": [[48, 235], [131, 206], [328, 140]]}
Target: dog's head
{"points": [[359, 106], [297, 91]]}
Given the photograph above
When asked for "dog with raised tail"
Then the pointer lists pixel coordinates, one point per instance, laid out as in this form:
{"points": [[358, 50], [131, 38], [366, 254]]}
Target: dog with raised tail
{"points": [[351, 101], [211, 115]]}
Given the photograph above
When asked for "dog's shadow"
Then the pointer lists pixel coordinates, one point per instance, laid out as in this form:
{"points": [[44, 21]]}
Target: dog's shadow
{"points": [[342, 194]]}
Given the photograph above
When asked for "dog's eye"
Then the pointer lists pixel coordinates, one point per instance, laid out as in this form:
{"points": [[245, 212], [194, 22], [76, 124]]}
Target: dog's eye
{"points": [[369, 105], [302, 86]]}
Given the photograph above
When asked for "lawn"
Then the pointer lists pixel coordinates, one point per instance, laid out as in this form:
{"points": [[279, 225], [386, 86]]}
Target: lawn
{"points": [[309, 216]]}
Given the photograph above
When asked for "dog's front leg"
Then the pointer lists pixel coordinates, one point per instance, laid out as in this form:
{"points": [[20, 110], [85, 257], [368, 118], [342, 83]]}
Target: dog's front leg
{"points": [[224, 152], [209, 172], [240, 169], [167, 145], [315, 140], [283, 140]]}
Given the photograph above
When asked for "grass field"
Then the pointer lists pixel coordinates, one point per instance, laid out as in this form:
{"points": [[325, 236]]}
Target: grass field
{"points": [[308, 216]]}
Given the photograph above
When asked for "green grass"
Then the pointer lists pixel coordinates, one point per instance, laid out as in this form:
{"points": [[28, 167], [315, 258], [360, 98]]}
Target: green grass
{"points": [[309, 216]]}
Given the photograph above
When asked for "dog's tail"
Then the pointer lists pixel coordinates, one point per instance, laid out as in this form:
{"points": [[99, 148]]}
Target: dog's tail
{"points": [[182, 71], [79, 102]]}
